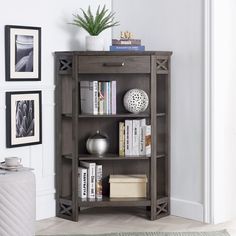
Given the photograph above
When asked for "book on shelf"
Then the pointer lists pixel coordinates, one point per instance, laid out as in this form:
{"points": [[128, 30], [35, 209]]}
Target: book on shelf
{"points": [[121, 139], [128, 137], [82, 182], [113, 97], [98, 97], [136, 42], [91, 170], [142, 149], [134, 138], [89, 97], [98, 181], [148, 140], [123, 48]]}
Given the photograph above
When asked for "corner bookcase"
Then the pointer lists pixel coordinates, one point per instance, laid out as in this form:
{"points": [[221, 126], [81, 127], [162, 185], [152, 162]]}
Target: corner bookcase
{"points": [[149, 71]]}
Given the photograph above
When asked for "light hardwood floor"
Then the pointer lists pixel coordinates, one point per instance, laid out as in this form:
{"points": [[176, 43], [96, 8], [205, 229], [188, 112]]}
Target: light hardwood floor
{"points": [[95, 221]]}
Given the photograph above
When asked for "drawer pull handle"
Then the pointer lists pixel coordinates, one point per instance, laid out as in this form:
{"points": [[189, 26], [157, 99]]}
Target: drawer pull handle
{"points": [[112, 64]]}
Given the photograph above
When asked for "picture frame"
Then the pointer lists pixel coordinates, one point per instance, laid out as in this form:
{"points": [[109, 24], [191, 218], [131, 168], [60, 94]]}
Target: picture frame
{"points": [[23, 118], [23, 53]]}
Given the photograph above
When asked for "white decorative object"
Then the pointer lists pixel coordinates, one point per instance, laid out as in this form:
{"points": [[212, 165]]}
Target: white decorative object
{"points": [[94, 43], [136, 101], [17, 203]]}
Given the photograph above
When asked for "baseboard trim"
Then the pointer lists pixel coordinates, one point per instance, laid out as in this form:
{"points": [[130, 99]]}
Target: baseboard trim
{"points": [[187, 209]]}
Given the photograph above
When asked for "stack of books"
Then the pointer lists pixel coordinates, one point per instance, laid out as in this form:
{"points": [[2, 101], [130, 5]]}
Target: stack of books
{"points": [[98, 97], [127, 45], [90, 180], [134, 138]]}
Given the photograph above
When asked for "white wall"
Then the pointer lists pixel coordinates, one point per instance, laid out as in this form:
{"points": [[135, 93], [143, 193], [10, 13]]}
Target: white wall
{"points": [[177, 26], [223, 109], [57, 35]]}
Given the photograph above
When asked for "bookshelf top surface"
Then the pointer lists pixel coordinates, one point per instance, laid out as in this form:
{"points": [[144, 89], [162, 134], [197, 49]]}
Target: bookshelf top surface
{"points": [[109, 53]]}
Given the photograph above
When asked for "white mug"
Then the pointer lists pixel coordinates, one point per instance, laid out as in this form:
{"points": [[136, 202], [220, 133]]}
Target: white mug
{"points": [[12, 161]]}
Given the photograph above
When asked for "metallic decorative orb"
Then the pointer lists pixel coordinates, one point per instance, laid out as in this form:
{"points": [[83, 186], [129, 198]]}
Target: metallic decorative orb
{"points": [[136, 101], [97, 144]]}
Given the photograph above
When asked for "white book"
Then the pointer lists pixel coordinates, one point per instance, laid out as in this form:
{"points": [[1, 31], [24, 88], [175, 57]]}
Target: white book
{"points": [[142, 137], [82, 182], [108, 97], [105, 97], [89, 97], [148, 140], [95, 97], [128, 137], [98, 181], [113, 97], [136, 135], [91, 168]]}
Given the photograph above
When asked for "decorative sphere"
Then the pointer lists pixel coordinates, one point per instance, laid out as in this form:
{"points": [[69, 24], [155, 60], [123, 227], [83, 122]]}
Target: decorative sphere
{"points": [[97, 144], [136, 100]]}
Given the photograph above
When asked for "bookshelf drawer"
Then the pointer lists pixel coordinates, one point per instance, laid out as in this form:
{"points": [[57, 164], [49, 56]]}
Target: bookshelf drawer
{"points": [[114, 64]]}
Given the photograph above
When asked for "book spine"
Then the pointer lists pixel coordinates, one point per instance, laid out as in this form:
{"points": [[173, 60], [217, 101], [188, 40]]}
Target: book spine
{"points": [[82, 182], [136, 134], [86, 93], [148, 140], [91, 177], [127, 48], [109, 97], [105, 97], [95, 97], [128, 137], [121, 139], [101, 98], [142, 137], [98, 181], [113, 97], [136, 42], [93, 184]]}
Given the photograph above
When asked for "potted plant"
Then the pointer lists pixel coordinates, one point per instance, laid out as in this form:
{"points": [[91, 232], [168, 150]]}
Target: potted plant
{"points": [[94, 25]]}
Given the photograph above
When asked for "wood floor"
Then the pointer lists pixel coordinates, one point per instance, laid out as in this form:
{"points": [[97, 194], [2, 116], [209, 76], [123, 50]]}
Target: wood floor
{"points": [[95, 221]]}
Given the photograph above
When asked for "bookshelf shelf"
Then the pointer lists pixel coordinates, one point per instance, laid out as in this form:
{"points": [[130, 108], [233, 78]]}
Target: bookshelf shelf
{"points": [[125, 115], [149, 71], [111, 157], [113, 202], [161, 114]]}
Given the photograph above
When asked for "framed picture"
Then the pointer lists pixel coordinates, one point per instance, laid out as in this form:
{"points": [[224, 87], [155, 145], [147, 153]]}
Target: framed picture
{"points": [[23, 118], [23, 53]]}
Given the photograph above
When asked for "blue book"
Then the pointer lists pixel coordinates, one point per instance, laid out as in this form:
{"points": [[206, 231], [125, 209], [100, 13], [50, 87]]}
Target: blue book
{"points": [[127, 48]]}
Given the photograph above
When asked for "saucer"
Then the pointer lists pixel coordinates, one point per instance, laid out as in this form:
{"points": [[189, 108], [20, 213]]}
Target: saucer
{"points": [[4, 166]]}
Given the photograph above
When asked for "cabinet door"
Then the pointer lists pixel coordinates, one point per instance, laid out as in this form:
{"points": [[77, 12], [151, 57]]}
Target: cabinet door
{"points": [[114, 64]]}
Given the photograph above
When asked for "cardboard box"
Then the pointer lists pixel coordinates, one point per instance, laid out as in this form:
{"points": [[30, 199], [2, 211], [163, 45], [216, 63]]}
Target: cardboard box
{"points": [[125, 186]]}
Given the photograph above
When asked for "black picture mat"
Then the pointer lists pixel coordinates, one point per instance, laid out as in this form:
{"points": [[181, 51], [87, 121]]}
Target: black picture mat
{"points": [[8, 118], [8, 52]]}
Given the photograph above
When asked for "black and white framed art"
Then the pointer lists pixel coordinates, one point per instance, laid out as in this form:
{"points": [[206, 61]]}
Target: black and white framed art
{"points": [[23, 53], [23, 118]]}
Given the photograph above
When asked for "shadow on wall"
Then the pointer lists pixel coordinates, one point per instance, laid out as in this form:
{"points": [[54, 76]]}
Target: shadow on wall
{"points": [[76, 35]]}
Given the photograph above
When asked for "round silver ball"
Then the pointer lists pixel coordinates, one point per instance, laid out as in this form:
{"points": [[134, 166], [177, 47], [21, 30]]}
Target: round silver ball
{"points": [[97, 144], [136, 101]]}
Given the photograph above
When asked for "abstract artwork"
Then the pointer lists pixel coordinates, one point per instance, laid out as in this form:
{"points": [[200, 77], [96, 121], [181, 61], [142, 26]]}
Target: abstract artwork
{"points": [[23, 53], [23, 118]]}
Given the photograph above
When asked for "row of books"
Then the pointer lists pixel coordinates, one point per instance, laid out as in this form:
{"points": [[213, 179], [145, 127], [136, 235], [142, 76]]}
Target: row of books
{"points": [[90, 180], [127, 45], [134, 138], [98, 97]]}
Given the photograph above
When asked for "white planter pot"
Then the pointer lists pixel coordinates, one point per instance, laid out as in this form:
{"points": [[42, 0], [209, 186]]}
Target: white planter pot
{"points": [[94, 43]]}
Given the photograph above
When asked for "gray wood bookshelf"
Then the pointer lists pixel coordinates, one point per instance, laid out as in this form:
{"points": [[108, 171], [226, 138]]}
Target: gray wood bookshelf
{"points": [[150, 71]]}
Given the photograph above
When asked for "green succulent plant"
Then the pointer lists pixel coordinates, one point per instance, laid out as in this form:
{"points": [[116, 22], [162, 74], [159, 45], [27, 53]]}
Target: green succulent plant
{"points": [[94, 25]]}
